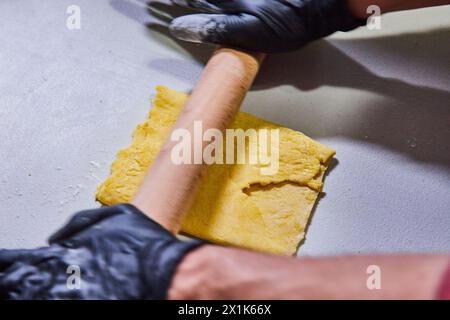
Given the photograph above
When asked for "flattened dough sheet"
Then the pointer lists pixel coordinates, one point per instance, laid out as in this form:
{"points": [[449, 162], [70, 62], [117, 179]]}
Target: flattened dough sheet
{"points": [[236, 204]]}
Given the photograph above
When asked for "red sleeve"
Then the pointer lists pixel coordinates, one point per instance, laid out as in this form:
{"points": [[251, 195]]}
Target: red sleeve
{"points": [[444, 288]]}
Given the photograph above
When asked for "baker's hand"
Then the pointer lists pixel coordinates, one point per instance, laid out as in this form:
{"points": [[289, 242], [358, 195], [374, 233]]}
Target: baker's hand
{"points": [[120, 253], [262, 25]]}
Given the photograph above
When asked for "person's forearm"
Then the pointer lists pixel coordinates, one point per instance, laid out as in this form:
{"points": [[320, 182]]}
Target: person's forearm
{"points": [[359, 7], [222, 273]]}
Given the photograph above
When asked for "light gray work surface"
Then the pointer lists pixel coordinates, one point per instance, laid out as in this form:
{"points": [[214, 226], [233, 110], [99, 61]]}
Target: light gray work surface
{"points": [[69, 100]]}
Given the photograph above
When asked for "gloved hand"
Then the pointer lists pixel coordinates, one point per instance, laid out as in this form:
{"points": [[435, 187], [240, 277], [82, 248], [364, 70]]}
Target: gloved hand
{"points": [[121, 254], [262, 25]]}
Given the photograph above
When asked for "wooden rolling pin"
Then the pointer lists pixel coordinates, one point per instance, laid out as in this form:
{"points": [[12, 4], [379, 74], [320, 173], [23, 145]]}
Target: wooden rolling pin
{"points": [[168, 189]]}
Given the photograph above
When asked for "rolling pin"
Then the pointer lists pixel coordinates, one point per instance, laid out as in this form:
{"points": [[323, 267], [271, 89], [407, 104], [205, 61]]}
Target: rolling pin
{"points": [[168, 189]]}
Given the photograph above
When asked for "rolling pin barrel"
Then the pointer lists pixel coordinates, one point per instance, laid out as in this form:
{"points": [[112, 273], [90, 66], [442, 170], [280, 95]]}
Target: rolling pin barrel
{"points": [[168, 189]]}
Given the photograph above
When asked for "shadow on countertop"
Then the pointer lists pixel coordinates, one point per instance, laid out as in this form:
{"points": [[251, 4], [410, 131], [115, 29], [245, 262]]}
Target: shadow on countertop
{"points": [[156, 15], [411, 119], [407, 118]]}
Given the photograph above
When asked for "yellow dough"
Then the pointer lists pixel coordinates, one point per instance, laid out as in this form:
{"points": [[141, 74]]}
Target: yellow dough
{"points": [[236, 204]]}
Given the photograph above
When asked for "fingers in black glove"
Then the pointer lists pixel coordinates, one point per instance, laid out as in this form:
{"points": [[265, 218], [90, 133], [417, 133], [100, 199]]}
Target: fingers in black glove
{"points": [[262, 25], [121, 254]]}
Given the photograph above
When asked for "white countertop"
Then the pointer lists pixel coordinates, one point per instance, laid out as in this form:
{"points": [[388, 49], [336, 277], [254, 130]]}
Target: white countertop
{"points": [[69, 100]]}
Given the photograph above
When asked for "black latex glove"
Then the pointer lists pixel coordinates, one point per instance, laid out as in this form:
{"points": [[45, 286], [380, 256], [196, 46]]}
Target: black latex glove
{"points": [[262, 25], [121, 254]]}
